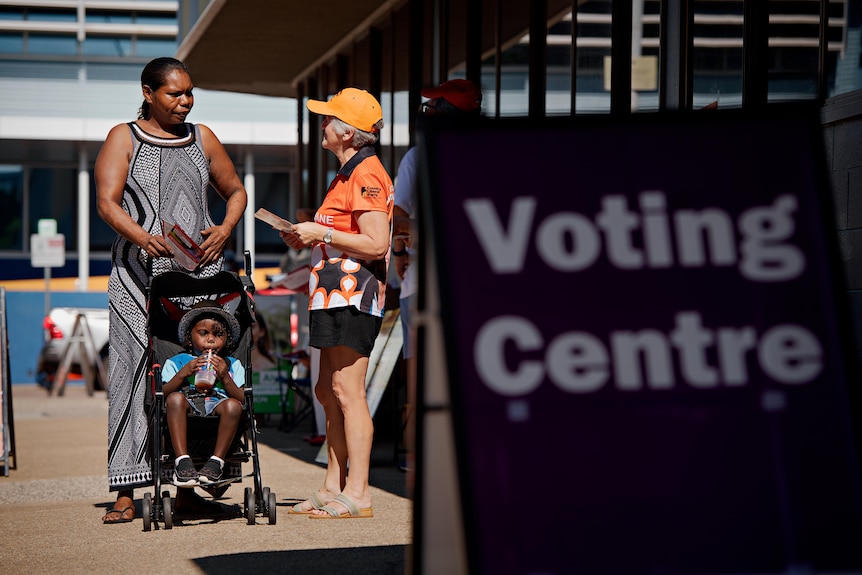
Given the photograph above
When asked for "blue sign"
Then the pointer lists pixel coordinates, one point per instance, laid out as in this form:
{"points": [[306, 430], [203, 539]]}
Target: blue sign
{"points": [[645, 341]]}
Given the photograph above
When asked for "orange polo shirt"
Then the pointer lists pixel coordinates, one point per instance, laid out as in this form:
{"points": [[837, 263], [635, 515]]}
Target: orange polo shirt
{"points": [[338, 280]]}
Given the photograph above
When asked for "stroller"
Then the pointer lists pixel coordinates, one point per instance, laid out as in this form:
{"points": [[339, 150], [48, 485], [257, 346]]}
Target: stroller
{"points": [[170, 296]]}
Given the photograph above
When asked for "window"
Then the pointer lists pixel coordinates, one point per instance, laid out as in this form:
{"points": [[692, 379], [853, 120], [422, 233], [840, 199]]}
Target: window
{"points": [[154, 48], [107, 46], [52, 15], [844, 58], [167, 19], [53, 194], [717, 53], [11, 13], [593, 47], [108, 17], [11, 207], [51, 44], [11, 43]]}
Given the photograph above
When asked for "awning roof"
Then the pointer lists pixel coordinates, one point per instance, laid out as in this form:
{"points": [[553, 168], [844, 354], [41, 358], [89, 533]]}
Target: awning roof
{"points": [[264, 47]]}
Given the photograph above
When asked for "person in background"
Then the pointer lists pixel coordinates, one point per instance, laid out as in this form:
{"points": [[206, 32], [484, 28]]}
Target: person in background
{"points": [[262, 359], [261, 353], [155, 168], [350, 239], [459, 98]]}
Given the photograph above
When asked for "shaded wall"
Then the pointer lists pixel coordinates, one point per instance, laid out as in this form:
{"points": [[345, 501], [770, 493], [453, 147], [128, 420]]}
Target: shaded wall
{"points": [[843, 146]]}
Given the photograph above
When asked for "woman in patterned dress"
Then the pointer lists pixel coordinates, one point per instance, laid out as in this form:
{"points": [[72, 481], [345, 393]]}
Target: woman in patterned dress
{"points": [[156, 168]]}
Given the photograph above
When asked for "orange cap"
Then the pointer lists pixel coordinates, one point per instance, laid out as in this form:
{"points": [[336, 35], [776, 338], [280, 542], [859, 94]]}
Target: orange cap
{"points": [[353, 106]]}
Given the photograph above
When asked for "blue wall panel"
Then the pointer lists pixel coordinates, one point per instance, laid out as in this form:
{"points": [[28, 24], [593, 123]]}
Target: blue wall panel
{"points": [[25, 313]]}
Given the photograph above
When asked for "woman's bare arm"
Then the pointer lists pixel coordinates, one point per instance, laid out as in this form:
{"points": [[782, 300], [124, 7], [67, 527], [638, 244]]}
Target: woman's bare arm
{"points": [[112, 167], [227, 183]]}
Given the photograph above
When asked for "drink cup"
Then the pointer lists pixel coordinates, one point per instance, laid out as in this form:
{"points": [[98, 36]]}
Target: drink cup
{"points": [[204, 379]]}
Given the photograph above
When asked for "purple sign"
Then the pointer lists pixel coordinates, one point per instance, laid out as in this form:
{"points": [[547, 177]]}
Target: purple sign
{"points": [[645, 345]]}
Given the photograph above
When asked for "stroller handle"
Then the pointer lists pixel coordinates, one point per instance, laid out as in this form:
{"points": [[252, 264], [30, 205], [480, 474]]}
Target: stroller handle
{"points": [[157, 379]]}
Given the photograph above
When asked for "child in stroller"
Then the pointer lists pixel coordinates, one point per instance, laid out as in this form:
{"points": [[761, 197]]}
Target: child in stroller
{"points": [[208, 334], [174, 301]]}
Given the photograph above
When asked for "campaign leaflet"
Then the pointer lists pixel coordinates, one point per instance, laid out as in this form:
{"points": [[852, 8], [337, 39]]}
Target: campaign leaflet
{"points": [[187, 252], [273, 220]]}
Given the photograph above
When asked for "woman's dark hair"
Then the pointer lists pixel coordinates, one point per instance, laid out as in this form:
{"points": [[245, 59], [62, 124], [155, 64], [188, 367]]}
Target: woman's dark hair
{"points": [[154, 75]]}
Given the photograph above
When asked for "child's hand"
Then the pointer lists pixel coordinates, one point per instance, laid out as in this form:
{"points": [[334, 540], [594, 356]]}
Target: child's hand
{"points": [[192, 367], [220, 366]]}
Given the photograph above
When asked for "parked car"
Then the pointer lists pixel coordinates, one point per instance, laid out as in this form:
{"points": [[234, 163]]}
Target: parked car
{"points": [[58, 328]]}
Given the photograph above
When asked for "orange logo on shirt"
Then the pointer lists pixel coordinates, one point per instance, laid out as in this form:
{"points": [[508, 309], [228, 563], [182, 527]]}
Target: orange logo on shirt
{"points": [[368, 192]]}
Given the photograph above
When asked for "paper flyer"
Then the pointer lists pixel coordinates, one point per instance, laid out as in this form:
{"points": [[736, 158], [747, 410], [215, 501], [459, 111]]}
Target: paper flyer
{"points": [[187, 252], [275, 221]]}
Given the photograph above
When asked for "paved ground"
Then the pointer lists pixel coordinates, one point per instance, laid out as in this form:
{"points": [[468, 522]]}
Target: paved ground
{"points": [[52, 502]]}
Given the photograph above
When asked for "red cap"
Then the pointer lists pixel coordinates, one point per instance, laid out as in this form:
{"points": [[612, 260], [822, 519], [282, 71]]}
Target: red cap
{"points": [[463, 94]]}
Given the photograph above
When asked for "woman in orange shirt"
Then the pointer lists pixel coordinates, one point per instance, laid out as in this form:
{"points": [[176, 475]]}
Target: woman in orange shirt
{"points": [[350, 239]]}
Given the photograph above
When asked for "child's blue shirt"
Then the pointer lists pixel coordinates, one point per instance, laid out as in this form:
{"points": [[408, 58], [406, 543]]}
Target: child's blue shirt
{"points": [[173, 365]]}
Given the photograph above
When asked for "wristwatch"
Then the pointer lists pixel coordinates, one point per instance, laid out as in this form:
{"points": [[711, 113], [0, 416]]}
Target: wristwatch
{"points": [[327, 239]]}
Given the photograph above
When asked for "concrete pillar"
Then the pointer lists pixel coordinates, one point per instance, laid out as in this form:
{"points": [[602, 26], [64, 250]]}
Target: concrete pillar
{"points": [[83, 221], [248, 216]]}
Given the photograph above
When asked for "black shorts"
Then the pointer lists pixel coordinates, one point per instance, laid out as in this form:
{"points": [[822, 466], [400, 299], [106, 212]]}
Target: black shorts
{"points": [[344, 326]]}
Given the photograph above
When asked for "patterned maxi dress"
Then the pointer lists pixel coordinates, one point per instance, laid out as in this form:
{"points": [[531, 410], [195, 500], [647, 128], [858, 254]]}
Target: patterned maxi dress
{"points": [[168, 178]]}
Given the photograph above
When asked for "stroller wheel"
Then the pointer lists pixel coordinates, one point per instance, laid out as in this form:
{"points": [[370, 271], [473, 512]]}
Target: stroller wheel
{"points": [[168, 511], [249, 505], [147, 510], [270, 500]]}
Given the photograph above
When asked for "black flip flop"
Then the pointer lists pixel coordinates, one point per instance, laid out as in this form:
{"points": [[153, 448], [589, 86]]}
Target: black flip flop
{"points": [[121, 519]]}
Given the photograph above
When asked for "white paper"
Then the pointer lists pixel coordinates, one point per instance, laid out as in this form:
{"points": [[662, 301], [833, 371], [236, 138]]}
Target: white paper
{"points": [[275, 221]]}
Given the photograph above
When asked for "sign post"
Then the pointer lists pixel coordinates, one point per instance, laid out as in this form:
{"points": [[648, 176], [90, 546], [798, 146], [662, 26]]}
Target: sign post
{"points": [[621, 320], [47, 250]]}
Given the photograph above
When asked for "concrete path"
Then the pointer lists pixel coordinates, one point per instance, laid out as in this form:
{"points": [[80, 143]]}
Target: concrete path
{"points": [[51, 506]]}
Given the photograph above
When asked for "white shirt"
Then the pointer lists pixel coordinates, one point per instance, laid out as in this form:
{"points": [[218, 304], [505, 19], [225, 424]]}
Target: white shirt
{"points": [[406, 187]]}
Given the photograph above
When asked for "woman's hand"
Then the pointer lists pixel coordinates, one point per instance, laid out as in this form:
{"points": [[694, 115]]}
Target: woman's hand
{"points": [[215, 238], [303, 234], [290, 240], [157, 247]]}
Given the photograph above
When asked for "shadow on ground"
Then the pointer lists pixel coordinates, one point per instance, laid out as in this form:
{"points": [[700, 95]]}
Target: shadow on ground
{"points": [[355, 561]]}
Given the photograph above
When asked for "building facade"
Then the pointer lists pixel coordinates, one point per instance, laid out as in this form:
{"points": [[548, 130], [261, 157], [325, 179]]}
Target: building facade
{"points": [[69, 71]]}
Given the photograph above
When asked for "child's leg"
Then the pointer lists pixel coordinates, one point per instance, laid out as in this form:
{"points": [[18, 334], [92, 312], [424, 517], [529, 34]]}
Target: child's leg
{"points": [[177, 411], [229, 412]]}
